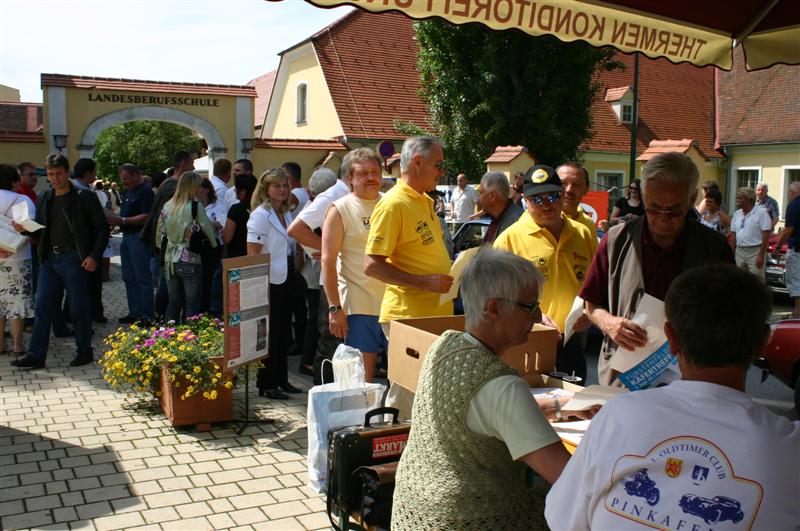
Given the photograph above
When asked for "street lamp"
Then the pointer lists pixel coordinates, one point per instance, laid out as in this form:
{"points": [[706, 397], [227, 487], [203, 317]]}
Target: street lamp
{"points": [[60, 142], [247, 145]]}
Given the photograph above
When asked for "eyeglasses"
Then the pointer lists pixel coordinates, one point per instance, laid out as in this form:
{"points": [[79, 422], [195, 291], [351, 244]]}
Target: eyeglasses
{"points": [[634, 189], [552, 197], [672, 214], [529, 308], [439, 165]]}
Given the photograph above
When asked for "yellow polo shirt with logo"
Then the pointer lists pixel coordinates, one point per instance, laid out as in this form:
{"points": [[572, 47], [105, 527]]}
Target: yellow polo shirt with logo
{"points": [[405, 228], [564, 263]]}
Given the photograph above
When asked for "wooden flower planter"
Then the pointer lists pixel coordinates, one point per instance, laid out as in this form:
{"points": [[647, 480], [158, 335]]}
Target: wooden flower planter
{"points": [[196, 409]]}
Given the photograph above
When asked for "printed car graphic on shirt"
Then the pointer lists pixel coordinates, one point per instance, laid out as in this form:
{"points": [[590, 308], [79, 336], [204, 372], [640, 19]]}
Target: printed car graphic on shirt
{"points": [[717, 509]]}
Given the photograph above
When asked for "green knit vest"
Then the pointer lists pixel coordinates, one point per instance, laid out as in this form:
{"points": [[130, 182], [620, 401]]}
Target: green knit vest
{"points": [[449, 477]]}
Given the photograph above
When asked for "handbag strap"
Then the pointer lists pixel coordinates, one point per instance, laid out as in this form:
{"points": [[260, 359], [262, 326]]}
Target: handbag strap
{"points": [[194, 210]]}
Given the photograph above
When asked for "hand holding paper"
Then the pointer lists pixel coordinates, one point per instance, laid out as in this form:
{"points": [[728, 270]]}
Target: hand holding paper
{"points": [[19, 213], [457, 271]]}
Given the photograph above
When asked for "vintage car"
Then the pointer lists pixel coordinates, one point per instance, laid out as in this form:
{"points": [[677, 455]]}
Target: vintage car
{"points": [[775, 268], [781, 356], [717, 509]]}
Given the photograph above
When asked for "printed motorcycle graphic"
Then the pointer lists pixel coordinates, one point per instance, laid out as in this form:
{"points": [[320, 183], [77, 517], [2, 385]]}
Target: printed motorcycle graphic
{"points": [[717, 509], [642, 486]]}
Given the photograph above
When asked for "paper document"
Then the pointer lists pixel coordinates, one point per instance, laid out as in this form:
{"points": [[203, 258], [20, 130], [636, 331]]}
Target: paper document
{"points": [[20, 214], [457, 271], [574, 314], [571, 432], [651, 364], [594, 395]]}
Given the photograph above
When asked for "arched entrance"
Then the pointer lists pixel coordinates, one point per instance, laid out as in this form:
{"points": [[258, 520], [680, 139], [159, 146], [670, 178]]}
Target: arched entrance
{"points": [[80, 108]]}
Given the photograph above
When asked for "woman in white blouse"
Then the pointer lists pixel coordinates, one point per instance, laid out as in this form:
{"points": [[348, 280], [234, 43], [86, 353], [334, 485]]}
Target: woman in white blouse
{"points": [[266, 233]]}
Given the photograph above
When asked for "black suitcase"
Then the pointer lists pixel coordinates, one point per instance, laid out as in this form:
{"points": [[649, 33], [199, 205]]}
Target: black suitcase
{"points": [[352, 447]]}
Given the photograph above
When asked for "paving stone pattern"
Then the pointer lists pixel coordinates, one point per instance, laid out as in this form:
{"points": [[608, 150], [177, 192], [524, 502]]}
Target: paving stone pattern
{"points": [[75, 454]]}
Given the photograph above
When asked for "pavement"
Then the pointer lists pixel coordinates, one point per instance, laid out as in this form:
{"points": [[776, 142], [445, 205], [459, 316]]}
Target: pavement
{"points": [[74, 454]]}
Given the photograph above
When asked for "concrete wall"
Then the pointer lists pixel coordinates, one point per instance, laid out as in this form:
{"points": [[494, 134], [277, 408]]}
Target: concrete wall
{"points": [[16, 152], [772, 163], [308, 159]]}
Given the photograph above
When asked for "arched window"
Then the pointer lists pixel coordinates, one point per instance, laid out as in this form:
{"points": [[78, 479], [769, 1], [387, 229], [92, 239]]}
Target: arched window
{"points": [[302, 103]]}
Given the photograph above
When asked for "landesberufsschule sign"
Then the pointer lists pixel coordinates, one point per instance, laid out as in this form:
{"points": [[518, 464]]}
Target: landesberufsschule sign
{"points": [[154, 100]]}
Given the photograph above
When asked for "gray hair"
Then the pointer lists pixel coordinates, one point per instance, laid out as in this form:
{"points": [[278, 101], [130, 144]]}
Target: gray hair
{"points": [[359, 155], [417, 145], [495, 274], [321, 180], [747, 193], [496, 181], [794, 186], [763, 185], [671, 168]]}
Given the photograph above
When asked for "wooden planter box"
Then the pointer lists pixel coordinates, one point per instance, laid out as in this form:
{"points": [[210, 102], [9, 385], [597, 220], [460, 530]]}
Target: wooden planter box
{"points": [[195, 409]]}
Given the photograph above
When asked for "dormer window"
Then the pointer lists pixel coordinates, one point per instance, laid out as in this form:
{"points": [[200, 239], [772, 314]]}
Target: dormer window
{"points": [[302, 103], [621, 101]]}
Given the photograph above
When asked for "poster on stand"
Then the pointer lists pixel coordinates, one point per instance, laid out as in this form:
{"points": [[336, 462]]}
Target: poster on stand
{"points": [[246, 303]]}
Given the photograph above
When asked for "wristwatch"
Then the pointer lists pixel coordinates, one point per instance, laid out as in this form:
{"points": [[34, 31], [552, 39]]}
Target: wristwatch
{"points": [[333, 308], [559, 415]]}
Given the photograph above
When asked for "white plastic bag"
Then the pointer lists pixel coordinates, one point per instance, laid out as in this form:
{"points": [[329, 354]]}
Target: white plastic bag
{"points": [[348, 367], [330, 406]]}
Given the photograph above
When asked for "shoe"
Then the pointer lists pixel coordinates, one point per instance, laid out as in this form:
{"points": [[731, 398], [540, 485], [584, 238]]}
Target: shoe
{"points": [[100, 319], [81, 359], [289, 388], [28, 362], [275, 394], [69, 332], [303, 369], [128, 319]]}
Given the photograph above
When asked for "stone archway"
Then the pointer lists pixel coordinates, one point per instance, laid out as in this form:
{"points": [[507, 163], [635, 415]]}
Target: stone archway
{"points": [[216, 145]]}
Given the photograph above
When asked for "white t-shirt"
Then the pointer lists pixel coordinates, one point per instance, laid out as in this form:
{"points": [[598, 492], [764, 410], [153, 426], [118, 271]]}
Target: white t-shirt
{"points": [[265, 228], [230, 199], [313, 214], [220, 208], [302, 198], [750, 227], [7, 201], [691, 456], [464, 202]]}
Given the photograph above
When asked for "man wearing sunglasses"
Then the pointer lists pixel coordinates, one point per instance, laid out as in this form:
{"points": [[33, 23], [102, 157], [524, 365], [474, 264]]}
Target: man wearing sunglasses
{"points": [[560, 248], [646, 254]]}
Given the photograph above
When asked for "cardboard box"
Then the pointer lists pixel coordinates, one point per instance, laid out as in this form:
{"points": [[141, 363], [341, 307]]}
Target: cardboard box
{"points": [[410, 339]]}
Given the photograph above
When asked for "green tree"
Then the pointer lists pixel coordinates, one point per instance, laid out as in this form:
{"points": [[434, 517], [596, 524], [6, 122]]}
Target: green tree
{"points": [[485, 88], [148, 144]]}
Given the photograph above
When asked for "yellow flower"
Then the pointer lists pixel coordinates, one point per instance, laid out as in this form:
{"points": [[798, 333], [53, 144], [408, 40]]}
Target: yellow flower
{"points": [[228, 384], [196, 369]]}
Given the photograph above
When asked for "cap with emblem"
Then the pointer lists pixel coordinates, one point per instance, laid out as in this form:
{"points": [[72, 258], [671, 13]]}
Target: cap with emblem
{"points": [[540, 179]]}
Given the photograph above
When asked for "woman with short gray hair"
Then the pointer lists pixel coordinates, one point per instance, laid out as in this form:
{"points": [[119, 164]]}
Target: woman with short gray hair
{"points": [[476, 424]]}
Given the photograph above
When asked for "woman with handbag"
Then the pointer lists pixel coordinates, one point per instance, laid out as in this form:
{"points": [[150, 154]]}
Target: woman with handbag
{"points": [[188, 230], [266, 233], [16, 269]]}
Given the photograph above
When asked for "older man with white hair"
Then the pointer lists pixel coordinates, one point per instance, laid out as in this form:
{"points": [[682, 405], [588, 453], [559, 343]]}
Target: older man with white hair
{"points": [[751, 228], [646, 254], [495, 200], [765, 201], [790, 235]]}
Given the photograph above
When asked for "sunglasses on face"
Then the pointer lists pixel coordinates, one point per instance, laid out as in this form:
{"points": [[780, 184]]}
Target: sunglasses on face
{"points": [[634, 189], [552, 197], [528, 308]]}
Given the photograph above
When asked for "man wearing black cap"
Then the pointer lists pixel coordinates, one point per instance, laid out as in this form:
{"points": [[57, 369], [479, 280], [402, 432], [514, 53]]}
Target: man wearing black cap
{"points": [[559, 247]]}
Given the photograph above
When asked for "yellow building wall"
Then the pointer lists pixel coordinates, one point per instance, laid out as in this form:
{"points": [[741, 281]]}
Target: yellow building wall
{"points": [[772, 161], [520, 163], [81, 112], [322, 121], [16, 152], [308, 159]]}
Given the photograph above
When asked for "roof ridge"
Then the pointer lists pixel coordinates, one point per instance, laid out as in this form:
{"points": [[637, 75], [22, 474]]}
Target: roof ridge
{"points": [[132, 80]]}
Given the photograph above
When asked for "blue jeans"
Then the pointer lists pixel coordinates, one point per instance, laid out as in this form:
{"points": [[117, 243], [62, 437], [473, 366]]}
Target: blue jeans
{"points": [[137, 276], [185, 285], [57, 273]]}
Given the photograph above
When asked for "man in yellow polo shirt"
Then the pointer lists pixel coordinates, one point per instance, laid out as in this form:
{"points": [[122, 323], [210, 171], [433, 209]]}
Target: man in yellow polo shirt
{"points": [[562, 249], [406, 249]]}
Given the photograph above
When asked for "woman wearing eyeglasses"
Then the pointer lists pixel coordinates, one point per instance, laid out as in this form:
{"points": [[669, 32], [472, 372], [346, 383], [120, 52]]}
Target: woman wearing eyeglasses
{"points": [[631, 207]]}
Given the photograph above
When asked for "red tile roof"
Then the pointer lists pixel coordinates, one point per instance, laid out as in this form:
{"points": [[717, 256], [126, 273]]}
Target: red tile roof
{"points": [[675, 101], [667, 146], [759, 107], [369, 63], [287, 143], [507, 153], [21, 117], [263, 85], [141, 85], [616, 94]]}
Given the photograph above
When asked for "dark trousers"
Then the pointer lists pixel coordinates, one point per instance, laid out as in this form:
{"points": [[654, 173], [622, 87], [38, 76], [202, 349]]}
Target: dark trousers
{"points": [[96, 291], [311, 335], [57, 273], [299, 313], [275, 371], [212, 261], [327, 343], [570, 357]]}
